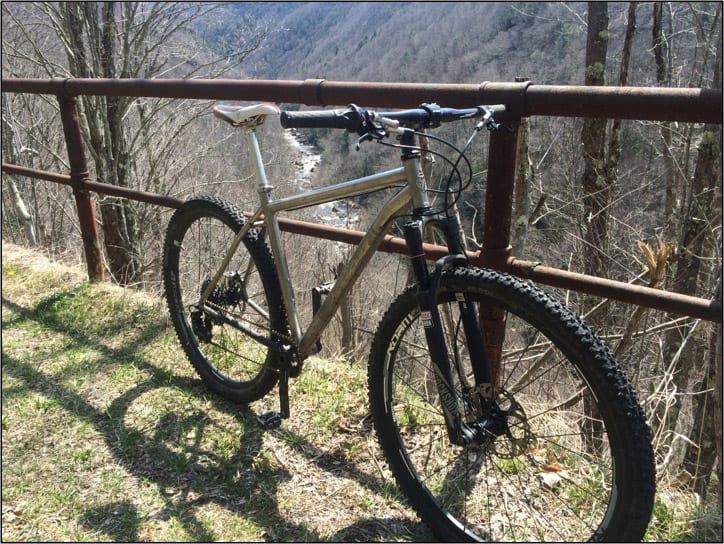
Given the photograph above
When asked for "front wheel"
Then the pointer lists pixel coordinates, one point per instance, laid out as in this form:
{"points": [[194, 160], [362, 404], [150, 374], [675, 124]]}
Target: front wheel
{"points": [[232, 346], [568, 454]]}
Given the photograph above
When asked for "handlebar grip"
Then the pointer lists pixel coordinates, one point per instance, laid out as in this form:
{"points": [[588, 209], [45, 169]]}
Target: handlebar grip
{"points": [[346, 119]]}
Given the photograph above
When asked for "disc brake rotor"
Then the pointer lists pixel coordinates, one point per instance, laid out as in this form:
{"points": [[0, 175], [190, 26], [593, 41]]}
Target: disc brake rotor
{"points": [[518, 433], [501, 421]]}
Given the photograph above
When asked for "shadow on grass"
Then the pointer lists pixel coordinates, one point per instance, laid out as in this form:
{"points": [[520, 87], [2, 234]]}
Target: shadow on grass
{"points": [[191, 475]]}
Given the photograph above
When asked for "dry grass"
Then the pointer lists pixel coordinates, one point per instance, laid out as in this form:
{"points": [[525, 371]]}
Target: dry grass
{"points": [[108, 435]]}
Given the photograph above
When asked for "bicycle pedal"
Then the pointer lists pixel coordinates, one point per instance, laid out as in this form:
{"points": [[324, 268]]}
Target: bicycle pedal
{"points": [[269, 420]]}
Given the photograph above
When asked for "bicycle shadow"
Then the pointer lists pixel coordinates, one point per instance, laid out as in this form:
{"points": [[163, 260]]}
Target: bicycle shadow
{"points": [[185, 472]]}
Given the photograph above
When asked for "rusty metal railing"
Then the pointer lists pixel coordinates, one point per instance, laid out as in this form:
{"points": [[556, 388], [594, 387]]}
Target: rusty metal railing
{"points": [[523, 99]]}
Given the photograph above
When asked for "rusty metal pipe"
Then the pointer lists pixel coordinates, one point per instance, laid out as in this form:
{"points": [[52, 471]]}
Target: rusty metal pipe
{"points": [[675, 303], [644, 103], [83, 201], [95, 186], [499, 198], [55, 177], [524, 99], [496, 234], [132, 194], [710, 310]]}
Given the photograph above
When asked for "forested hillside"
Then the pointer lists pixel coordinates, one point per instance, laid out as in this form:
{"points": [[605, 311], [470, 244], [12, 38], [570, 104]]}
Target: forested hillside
{"points": [[637, 202], [448, 42]]}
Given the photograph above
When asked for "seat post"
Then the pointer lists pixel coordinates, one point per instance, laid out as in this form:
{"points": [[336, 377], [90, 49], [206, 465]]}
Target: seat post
{"points": [[263, 186]]}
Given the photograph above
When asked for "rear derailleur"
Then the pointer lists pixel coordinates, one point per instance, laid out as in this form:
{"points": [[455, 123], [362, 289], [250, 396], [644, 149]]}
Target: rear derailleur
{"points": [[229, 293]]}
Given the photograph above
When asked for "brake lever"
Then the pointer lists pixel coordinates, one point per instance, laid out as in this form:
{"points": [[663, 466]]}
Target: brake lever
{"points": [[489, 122], [491, 125], [375, 135]]}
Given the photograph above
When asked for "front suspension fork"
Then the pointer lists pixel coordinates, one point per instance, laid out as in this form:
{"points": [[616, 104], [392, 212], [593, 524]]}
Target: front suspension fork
{"points": [[459, 431]]}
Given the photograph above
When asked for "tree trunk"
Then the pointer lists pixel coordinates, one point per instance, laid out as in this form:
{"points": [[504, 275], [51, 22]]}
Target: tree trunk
{"points": [[91, 53], [614, 144], [12, 150], [521, 194], [706, 436], [596, 189], [662, 79], [692, 246]]}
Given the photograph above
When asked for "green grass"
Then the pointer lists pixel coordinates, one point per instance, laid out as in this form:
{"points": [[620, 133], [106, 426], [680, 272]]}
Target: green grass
{"points": [[108, 435], [679, 516]]}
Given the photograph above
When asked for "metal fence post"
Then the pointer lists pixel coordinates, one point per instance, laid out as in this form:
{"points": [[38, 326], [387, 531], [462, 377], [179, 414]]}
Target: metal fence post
{"points": [[496, 232], [522, 99], [78, 175]]}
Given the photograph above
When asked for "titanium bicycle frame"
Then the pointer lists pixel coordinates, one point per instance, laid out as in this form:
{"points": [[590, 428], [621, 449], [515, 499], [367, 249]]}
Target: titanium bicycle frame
{"points": [[413, 194]]}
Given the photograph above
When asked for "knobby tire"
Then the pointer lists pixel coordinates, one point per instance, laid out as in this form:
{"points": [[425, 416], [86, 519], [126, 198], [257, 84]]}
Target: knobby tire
{"points": [[230, 362], [575, 462]]}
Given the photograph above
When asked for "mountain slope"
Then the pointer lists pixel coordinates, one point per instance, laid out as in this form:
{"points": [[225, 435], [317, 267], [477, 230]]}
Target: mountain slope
{"points": [[435, 41]]}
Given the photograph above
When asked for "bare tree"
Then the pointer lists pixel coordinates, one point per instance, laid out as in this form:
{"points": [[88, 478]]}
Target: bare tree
{"points": [[131, 142], [661, 58], [692, 221], [596, 188], [12, 148]]}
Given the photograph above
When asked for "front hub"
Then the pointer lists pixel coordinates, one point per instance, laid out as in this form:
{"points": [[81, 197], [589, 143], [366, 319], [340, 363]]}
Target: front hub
{"points": [[502, 416]]}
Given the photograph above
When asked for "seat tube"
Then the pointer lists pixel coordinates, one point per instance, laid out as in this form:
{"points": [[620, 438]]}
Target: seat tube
{"points": [[274, 236], [253, 144]]}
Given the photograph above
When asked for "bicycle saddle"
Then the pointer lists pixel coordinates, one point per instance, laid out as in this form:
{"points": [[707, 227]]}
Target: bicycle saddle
{"points": [[245, 116]]}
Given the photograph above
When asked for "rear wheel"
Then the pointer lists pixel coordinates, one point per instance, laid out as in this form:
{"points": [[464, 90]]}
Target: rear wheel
{"points": [[562, 450], [231, 362]]}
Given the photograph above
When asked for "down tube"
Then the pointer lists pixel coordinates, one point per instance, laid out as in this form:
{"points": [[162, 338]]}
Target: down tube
{"points": [[361, 256]]}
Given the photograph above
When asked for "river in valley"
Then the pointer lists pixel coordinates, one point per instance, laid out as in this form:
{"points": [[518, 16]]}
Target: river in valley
{"points": [[340, 213]]}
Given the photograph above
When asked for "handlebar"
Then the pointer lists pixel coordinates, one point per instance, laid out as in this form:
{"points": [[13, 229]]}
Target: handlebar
{"points": [[321, 119], [361, 121]]}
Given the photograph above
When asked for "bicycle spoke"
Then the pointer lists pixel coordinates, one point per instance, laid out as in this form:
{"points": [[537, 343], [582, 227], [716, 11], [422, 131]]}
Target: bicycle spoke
{"points": [[229, 336], [540, 465]]}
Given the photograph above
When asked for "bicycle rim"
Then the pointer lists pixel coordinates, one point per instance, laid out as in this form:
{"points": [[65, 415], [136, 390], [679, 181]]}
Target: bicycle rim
{"points": [[566, 465], [228, 359]]}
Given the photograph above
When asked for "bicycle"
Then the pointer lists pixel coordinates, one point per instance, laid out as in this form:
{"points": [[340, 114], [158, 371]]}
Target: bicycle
{"points": [[541, 438]]}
